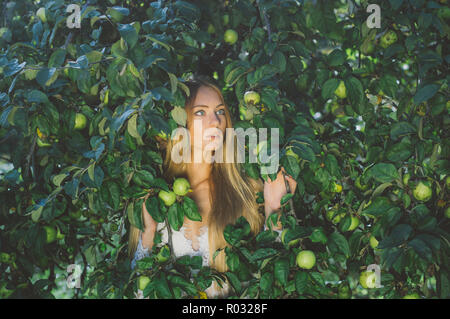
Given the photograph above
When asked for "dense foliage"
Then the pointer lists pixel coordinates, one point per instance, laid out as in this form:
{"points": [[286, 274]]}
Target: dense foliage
{"points": [[364, 128]]}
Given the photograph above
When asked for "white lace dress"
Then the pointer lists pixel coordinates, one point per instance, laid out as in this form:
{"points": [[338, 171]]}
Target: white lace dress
{"points": [[183, 246]]}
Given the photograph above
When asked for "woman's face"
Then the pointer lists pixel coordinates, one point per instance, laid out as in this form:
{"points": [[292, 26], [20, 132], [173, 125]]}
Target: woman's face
{"points": [[207, 120]]}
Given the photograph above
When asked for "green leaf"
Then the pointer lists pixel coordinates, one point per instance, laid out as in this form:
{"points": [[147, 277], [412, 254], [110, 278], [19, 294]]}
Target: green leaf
{"points": [[401, 129], [235, 282], [162, 287], [266, 282], [389, 85], [129, 34], [281, 270], [176, 216], [57, 58], [336, 58], [152, 206], [134, 219], [379, 206], [291, 166], [421, 248], [301, 281], [263, 253], [425, 93], [383, 172], [341, 242], [234, 71], [355, 91], [279, 60], [71, 188], [329, 87], [179, 115], [318, 236], [57, 179], [399, 152], [318, 278], [232, 259], [286, 198], [191, 210], [399, 234]]}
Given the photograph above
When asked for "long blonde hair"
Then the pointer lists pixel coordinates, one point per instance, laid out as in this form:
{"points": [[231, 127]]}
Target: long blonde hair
{"points": [[232, 192]]}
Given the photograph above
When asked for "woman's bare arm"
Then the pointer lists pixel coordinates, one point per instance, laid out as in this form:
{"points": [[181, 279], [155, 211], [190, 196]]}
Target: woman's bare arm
{"points": [[149, 227]]}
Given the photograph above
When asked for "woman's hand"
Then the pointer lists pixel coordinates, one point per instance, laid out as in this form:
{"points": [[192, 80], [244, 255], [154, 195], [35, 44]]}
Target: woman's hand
{"points": [[275, 190]]}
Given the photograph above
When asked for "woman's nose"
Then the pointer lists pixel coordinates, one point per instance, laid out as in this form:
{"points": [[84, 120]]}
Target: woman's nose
{"points": [[214, 120]]}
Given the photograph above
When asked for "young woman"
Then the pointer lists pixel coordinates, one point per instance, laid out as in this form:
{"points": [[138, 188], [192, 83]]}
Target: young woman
{"points": [[222, 191]]}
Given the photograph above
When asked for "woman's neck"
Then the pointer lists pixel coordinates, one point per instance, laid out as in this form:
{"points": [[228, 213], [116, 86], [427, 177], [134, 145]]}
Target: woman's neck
{"points": [[198, 174]]}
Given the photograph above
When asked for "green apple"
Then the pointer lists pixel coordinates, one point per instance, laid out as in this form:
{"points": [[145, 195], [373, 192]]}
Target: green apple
{"points": [[252, 97], [306, 259], [341, 90], [354, 223], [143, 281], [444, 13], [30, 74], [80, 121], [423, 192], [181, 186], [225, 19], [412, 296], [389, 38], [368, 279], [244, 115], [334, 217], [41, 14], [373, 242], [211, 29], [230, 36], [59, 235], [5, 258], [344, 291], [167, 197], [406, 178], [337, 188], [163, 254], [51, 234]]}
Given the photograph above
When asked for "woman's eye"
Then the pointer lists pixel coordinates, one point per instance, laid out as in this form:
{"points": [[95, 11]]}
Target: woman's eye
{"points": [[199, 113], [221, 112]]}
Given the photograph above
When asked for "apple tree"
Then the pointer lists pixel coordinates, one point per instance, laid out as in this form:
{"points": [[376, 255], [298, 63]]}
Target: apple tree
{"points": [[363, 115]]}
